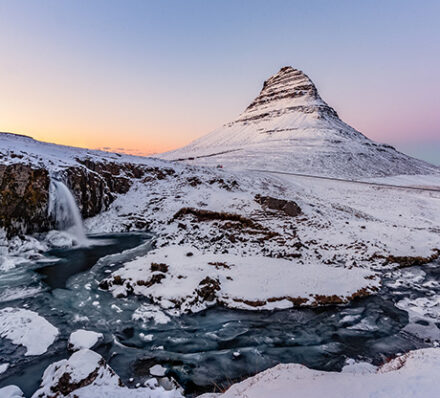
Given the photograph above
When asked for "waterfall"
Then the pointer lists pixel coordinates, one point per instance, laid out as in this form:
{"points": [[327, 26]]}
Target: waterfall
{"points": [[63, 208]]}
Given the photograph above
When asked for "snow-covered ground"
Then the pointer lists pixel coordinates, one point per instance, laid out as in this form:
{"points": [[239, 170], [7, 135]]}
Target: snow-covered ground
{"points": [[422, 181], [343, 227], [414, 374], [23, 149], [184, 277]]}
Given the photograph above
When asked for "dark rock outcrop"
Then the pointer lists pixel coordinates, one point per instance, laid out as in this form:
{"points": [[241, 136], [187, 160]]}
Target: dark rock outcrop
{"points": [[24, 191], [24, 199], [289, 207]]}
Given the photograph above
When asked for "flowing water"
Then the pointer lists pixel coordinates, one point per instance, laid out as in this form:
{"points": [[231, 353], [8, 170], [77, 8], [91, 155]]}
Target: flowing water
{"points": [[63, 208], [204, 350]]}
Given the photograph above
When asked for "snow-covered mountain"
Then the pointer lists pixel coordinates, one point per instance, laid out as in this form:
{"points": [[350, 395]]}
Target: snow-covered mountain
{"points": [[289, 127]]}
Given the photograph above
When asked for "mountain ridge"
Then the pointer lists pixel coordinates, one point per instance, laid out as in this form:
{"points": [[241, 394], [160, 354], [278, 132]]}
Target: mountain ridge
{"points": [[289, 126]]}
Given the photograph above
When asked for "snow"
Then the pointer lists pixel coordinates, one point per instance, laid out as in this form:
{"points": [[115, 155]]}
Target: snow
{"points": [[27, 328], [80, 339], [157, 370], [343, 226], [246, 282], [354, 367], [411, 375], [90, 376], [147, 312], [19, 250], [16, 148], [418, 180], [3, 367], [11, 392], [290, 128]]}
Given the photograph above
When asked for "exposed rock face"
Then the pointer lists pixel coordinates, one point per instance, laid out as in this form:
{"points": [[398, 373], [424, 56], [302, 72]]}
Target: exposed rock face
{"points": [[24, 199], [288, 84], [24, 191], [90, 190]]}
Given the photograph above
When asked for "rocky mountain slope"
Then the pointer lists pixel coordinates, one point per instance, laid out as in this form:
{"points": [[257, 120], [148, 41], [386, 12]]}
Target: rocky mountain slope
{"points": [[288, 127]]}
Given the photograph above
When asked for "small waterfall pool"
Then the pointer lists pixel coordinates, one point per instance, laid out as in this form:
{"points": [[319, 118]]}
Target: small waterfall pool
{"points": [[203, 350]]}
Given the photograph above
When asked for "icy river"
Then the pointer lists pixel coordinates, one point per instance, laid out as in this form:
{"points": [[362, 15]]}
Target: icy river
{"points": [[212, 348]]}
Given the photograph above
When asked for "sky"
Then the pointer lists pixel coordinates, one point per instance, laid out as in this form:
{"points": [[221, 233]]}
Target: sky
{"points": [[144, 76]]}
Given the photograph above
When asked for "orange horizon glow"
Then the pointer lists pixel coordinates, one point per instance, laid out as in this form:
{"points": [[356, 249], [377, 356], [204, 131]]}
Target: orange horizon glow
{"points": [[115, 146], [147, 78]]}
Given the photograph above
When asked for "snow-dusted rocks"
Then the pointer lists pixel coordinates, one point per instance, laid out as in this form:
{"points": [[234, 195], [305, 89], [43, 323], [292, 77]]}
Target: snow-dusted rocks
{"points": [[147, 312], [85, 374], [186, 279], [80, 339], [412, 375], [27, 328], [288, 127], [157, 370]]}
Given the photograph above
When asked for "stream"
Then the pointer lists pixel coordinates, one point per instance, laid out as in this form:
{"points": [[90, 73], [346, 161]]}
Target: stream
{"points": [[207, 350]]}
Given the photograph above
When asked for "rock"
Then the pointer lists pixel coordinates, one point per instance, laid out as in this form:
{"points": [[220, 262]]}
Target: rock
{"points": [[289, 207], [208, 289], [24, 199], [24, 192], [90, 190], [85, 374], [159, 267], [82, 369]]}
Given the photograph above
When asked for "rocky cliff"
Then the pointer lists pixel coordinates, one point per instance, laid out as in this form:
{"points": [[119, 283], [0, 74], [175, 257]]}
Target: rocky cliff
{"points": [[24, 199], [26, 167]]}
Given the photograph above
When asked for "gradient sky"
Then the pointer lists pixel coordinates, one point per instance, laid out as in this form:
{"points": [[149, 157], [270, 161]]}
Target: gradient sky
{"points": [[148, 76]]}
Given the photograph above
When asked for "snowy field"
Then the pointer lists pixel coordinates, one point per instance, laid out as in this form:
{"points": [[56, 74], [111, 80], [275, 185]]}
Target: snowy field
{"points": [[411, 375]]}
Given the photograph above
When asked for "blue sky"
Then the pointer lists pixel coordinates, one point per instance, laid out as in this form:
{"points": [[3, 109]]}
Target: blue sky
{"points": [[152, 76]]}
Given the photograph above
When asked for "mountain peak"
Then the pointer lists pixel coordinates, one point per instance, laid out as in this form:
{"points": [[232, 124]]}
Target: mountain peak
{"points": [[289, 89], [289, 127], [287, 74]]}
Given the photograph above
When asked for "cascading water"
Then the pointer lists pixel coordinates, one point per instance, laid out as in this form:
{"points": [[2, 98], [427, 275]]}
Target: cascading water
{"points": [[63, 208]]}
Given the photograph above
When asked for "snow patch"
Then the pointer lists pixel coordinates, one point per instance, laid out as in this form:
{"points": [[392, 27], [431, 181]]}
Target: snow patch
{"points": [[412, 375], [80, 339], [27, 328]]}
